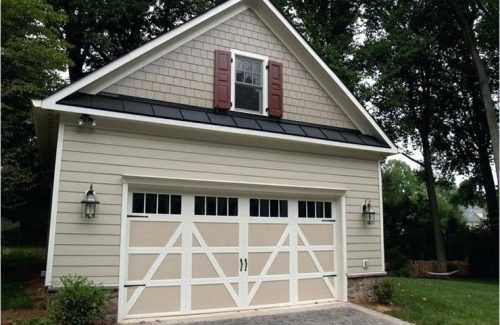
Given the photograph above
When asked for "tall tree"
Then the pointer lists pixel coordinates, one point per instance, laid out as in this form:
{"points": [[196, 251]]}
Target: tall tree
{"points": [[405, 57], [32, 54], [469, 14], [466, 149]]}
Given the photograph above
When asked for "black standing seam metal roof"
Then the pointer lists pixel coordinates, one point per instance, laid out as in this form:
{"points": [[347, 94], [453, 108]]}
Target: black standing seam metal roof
{"points": [[147, 107]]}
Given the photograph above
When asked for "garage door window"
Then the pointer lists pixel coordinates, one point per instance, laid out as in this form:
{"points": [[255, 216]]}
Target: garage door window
{"points": [[268, 208], [315, 209], [155, 203], [215, 206]]}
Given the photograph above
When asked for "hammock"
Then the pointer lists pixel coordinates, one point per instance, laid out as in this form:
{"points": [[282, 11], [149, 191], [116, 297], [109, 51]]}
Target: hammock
{"points": [[442, 274]]}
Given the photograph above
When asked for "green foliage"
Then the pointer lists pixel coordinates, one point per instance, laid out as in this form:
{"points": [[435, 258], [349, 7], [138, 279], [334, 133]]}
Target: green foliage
{"points": [[407, 224], [383, 291], [483, 252], [39, 321], [329, 27], [32, 54], [14, 296], [443, 302], [23, 256], [95, 40], [31, 49], [78, 302]]}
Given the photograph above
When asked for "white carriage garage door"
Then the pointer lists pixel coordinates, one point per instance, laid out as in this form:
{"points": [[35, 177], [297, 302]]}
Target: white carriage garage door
{"points": [[195, 253]]}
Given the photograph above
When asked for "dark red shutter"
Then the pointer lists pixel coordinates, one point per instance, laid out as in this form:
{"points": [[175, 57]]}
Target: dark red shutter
{"points": [[222, 81], [275, 100]]}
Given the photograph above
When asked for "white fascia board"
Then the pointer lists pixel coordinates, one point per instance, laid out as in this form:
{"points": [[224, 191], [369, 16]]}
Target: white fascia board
{"points": [[216, 128], [154, 49], [319, 69]]}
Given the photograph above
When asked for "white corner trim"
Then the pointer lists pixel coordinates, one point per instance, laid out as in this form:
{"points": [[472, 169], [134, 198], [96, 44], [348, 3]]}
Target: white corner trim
{"points": [[365, 275], [342, 292], [53, 207], [215, 128], [122, 294], [381, 209]]}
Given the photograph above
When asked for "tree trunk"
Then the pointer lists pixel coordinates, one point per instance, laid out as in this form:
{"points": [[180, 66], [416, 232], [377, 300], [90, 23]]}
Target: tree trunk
{"points": [[488, 180], [433, 204], [482, 76]]}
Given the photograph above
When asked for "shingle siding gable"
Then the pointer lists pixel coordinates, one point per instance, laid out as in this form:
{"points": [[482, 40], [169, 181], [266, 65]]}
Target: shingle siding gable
{"points": [[186, 75]]}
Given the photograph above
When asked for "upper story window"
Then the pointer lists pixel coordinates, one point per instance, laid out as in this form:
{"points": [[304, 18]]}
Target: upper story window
{"points": [[248, 82], [249, 90]]}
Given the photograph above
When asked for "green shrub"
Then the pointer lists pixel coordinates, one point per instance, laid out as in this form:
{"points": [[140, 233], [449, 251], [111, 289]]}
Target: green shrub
{"points": [[78, 302], [383, 291]]}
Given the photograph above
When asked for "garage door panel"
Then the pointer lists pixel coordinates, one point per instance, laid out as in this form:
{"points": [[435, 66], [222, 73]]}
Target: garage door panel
{"points": [[270, 292], [265, 234], [279, 265], [314, 289], [317, 234], [139, 265], [257, 262], [157, 300], [306, 263], [325, 259], [229, 263], [151, 233], [218, 234], [202, 267], [211, 296], [170, 268]]}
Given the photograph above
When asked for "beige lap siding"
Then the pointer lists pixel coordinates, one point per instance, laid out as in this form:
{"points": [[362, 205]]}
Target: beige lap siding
{"points": [[101, 156], [185, 75]]}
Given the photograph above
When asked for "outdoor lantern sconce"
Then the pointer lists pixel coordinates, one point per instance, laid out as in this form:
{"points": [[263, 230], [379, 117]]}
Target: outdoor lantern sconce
{"points": [[89, 204], [86, 119], [368, 213]]}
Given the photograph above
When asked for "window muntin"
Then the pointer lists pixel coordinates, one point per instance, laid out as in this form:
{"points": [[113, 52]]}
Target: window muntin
{"points": [[315, 209], [268, 208], [215, 206], [249, 82], [155, 203]]}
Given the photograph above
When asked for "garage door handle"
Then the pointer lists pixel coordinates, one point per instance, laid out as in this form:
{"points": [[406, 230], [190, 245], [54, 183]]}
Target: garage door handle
{"points": [[133, 285], [329, 275], [241, 264], [246, 264]]}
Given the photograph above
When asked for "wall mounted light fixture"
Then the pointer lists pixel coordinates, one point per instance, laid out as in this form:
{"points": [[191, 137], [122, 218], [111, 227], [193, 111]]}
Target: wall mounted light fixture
{"points": [[368, 213], [85, 119], [89, 203]]}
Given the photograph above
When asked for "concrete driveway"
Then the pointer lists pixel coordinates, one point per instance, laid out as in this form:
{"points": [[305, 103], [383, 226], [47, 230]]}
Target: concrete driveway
{"points": [[336, 313]]}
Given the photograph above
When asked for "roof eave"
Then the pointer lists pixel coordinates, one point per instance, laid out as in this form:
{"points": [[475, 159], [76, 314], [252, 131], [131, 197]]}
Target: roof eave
{"points": [[379, 151]]}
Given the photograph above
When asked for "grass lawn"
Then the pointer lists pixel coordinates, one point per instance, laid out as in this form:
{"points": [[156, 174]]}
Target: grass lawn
{"points": [[23, 293], [436, 301]]}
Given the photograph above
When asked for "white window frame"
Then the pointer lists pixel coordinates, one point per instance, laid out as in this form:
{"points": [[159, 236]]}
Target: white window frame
{"points": [[265, 62], [138, 214]]}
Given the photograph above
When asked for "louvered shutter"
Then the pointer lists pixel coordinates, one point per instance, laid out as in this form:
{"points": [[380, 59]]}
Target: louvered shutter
{"points": [[275, 91], [222, 81]]}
